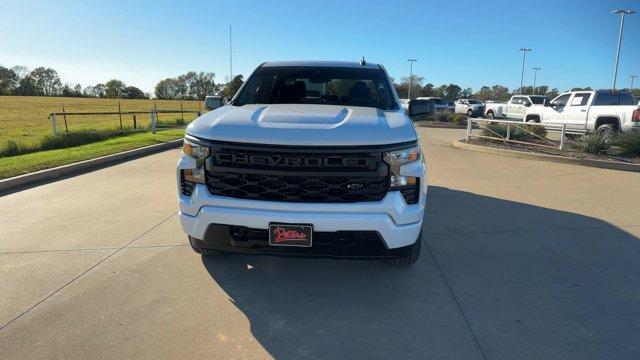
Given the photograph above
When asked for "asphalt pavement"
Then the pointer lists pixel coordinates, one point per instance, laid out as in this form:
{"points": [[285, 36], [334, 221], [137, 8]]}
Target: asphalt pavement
{"points": [[524, 260]]}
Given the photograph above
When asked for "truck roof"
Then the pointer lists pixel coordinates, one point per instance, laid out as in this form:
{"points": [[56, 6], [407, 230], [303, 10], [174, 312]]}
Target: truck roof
{"points": [[350, 64]]}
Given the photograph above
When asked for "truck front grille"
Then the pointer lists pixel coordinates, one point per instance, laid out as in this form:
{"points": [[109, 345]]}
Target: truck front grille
{"points": [[297, 174]]}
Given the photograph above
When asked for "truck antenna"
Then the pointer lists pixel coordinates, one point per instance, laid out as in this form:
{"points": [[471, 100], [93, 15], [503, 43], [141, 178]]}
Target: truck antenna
{"points": [[363, 61]]}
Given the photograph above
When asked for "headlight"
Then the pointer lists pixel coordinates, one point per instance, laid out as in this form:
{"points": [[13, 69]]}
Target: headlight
{"points": [[408, 185], [199, 153]]}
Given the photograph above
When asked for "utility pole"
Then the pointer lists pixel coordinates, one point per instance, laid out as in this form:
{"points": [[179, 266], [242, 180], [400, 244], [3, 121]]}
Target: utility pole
{"points": [[230, 57], [535, 77], [632, 78], [524, 55], [411, 61], [622, 13]]}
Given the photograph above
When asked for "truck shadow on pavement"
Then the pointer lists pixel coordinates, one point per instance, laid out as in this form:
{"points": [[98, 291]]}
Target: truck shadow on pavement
{"points": [[531, 283]]}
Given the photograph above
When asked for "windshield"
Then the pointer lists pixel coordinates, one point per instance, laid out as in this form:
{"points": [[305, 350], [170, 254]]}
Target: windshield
{"points": [[318, 85], [538, 100]]}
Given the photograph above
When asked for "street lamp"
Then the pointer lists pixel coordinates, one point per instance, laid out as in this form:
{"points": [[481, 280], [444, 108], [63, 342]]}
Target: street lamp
{"points": [[622, 15], [524, 55], [535, 77], [411, 61], [632, 78]]}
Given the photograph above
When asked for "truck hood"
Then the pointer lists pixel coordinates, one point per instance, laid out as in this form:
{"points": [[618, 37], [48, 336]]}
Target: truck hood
{"points": [[304, 124]]}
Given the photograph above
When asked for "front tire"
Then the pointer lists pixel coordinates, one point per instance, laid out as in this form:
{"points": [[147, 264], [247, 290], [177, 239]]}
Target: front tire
{"points": [[490, 115], [470, 113], [606, 130], [413, 256]]}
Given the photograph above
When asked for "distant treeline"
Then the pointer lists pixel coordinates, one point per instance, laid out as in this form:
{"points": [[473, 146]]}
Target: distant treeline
{"points": [[43, 81], [454, 92]]}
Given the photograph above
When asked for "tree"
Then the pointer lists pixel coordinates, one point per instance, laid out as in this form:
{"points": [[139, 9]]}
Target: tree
{"points": [[132, 92], [427, 90], [114, 89], [77, 90], [27, 87], [47, 81], [203, 85], [484, 94], [416, 87], [500, 93], [21, 71], [466, 93], [167, 89], [232, 87], [552, 93], [9, 81], [452, 92], [581, 89]]}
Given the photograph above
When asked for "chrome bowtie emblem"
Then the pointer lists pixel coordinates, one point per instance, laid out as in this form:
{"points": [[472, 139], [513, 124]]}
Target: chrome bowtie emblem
{"points": [[355, 186]]}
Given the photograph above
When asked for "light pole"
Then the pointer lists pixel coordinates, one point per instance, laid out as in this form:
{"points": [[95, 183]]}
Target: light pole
{"points": [[632, 78], [411, 61], [535, 77], [622, 15], [524, 55], [230, 57]]}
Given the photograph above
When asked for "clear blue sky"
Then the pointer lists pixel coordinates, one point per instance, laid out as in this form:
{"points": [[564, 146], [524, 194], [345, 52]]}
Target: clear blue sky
{"points": [[470, 43]]}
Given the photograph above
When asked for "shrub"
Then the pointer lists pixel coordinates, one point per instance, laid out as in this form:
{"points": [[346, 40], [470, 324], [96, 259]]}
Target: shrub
{"points": [[460, 119], [593, 143], [540, 131], [629, 142], [11, 148]]}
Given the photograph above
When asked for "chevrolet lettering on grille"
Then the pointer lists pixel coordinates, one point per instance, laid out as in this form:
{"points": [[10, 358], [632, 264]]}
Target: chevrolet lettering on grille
{"points": [[240, 159]]}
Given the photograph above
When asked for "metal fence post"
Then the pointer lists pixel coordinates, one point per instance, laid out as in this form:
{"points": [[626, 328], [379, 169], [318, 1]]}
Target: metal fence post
{"points": [[469, 125], [198, 113], [508, 131], [54, 127], [564, 128], [153, 121]]}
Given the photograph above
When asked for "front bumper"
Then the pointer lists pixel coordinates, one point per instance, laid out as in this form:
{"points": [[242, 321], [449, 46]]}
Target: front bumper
{"points": [[397, 223]]}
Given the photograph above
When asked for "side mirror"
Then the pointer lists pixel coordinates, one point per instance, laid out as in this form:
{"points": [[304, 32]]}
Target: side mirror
{"points": [[527, 104], [420, 107], [213, 102]]}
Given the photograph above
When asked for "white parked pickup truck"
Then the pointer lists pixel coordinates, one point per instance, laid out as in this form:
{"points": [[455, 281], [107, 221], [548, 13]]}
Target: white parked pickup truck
{"points": [[471, 107], [515, 108], [584, 111]]}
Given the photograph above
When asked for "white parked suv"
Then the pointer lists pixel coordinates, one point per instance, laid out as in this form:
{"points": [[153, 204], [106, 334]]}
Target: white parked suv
{"points": [[471, 107], [584, 111], [308, 159]]}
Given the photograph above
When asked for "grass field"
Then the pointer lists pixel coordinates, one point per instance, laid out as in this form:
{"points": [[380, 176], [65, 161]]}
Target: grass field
{"points": [[24, 119], [21, 164]]}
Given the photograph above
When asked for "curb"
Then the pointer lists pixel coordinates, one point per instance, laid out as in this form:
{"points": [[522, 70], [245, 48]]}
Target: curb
{"points": [[20, 182], [603, 164]]}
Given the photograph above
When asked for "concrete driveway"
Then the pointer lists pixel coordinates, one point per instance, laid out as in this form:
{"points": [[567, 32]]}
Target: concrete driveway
{"points": [[525, 260]]}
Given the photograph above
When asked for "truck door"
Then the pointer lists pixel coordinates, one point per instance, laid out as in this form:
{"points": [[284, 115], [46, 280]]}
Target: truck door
{"points": [[553, 114], [516, 107], [576, 111]]}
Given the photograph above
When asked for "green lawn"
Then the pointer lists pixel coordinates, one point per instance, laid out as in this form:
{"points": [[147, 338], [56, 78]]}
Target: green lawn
{"points": [[22, 164]]}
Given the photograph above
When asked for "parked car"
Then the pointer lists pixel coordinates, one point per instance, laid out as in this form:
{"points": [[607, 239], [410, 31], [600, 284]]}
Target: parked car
{"points": [[582, 111], [471, 107], [450, 106], [440, 103], [515, 108], [276, 172]]}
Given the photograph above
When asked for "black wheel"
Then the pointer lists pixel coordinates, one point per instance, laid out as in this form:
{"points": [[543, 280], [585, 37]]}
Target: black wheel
{"points": [[470, 113], [490, 115], [413, 256], [203, 251], [606, 130]]}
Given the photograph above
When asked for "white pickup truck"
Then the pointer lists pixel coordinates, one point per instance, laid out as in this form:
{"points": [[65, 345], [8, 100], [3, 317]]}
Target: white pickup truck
{"points": [[585, 111], [515, 108]]}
